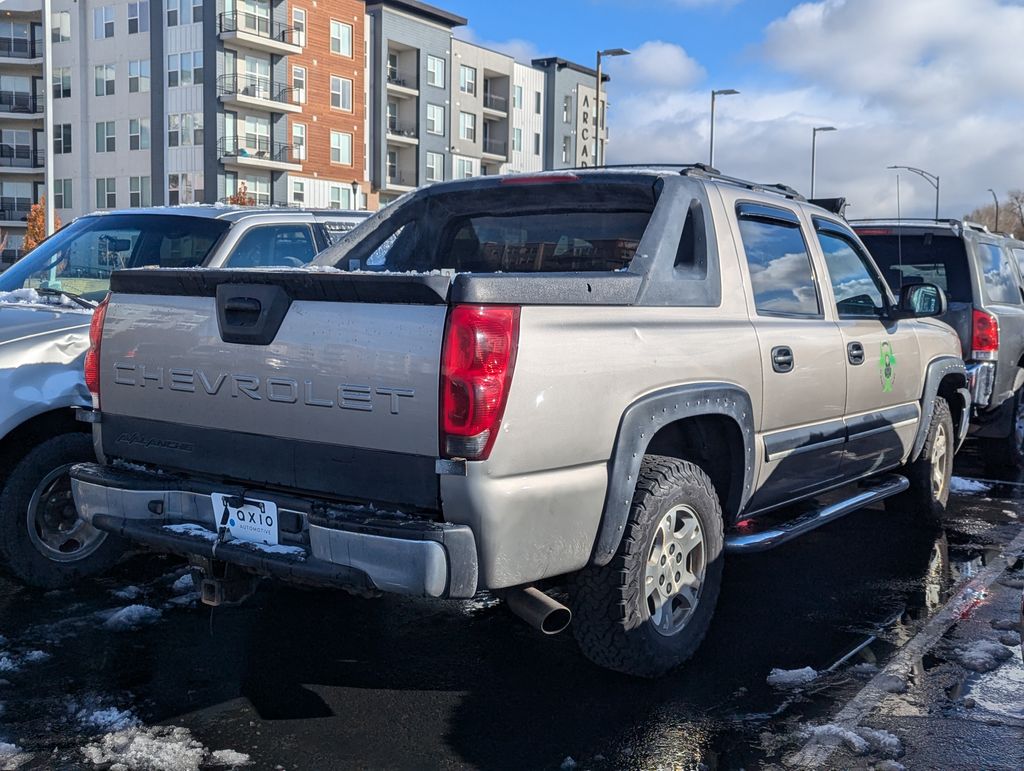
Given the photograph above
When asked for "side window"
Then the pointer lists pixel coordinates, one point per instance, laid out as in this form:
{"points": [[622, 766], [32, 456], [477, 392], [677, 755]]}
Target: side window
{"points": [[288, 246], [780, 265], [1019, 255], [1000, 280], [855, 282]]}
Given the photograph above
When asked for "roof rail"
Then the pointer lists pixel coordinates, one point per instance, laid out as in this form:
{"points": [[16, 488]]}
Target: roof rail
{"points": [[976, 226], [705, 171], [908, 220]]}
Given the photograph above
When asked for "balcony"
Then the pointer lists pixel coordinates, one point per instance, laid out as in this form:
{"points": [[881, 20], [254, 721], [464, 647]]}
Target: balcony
{"points": [[21, 52], [10, 256], [400, 181], [257, 153], [14, 213], [240, 29], [19, 159], [256, 92], [496, 147], [402, 84], [495, 103], [20, 105], [402, 133]]}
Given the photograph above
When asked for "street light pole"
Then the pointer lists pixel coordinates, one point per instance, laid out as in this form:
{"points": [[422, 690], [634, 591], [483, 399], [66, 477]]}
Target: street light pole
{"points": [[714, 96], [932, 179], [597, 106], [814, 151], [996, 199]]}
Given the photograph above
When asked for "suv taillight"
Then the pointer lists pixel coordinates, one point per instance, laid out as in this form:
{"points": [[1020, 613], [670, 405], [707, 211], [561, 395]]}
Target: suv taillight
{"points": [[984, 337], [479, 353], [92, 358]]}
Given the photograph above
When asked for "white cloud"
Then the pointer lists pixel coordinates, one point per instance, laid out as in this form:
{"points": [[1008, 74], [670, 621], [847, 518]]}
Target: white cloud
{"points": [[655, 65], [521, 50], [921, 82]]}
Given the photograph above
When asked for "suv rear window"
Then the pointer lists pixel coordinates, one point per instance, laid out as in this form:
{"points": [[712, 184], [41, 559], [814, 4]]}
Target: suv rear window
{"points": [[557, 227], [923, 258], [999, 277]]}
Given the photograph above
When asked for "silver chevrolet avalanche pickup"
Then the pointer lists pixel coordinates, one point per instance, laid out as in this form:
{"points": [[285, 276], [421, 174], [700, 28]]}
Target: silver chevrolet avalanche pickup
{"points": [[606, 380]]}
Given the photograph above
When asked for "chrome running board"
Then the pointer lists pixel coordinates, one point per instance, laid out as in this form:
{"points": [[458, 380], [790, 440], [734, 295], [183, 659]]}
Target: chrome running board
{"points": [[748, 541]]}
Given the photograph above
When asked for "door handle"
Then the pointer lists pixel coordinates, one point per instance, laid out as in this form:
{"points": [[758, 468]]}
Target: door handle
{"points": [[782, 358], [855, 352]]}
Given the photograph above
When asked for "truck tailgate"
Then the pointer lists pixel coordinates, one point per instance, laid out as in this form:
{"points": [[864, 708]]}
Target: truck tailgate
{"points": [[341, 398]]}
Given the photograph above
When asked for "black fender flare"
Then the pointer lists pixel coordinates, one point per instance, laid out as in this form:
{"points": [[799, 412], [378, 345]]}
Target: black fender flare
{"points": [[938, 370], [640, 422]]}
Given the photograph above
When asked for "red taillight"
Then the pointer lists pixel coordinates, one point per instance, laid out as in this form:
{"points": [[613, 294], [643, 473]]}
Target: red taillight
{"points": [[985, 337], [476, 371], [92, 358]]}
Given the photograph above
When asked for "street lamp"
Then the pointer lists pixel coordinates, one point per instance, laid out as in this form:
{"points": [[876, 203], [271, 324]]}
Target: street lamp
{"points": [[814, 150], [996, 199], [714, 96], [932, 179], [597, 107]]}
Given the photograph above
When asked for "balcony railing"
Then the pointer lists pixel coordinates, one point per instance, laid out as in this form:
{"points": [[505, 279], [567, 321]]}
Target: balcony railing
{"points": [[495, 146], [495, 102], [255, 87], [261, 26], [400, 178], [14, 211], [256, 148], [20, 48], [399, 78], [20, 102], [21, 157], [397, 128]]}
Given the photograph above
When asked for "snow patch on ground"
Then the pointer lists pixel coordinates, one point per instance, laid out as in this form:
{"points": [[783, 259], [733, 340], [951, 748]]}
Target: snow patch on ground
{"points": [[33, 657], [8, 664], [864, 670], [791, 678], [983, 655], [230, 758], [107, 719], [568, 764], [962, 485], [132, 617], [888, 765], [11, 755], [860, 741], [160, 748], [892, 684], [127, 592], [183, 584]]}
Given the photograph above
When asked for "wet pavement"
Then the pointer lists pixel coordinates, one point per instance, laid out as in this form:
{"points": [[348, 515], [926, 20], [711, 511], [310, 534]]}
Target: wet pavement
{"points": [[314, 680]]}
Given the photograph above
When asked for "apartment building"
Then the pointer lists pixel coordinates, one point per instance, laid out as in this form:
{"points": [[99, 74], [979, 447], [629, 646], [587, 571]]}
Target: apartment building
{"points": [[22, 138], [573, 122], [526, 149], [481, 126], [410, 94]]}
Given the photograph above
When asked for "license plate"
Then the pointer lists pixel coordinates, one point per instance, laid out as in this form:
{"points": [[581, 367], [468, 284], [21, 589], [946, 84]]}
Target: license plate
{"points": [[254, 521]]}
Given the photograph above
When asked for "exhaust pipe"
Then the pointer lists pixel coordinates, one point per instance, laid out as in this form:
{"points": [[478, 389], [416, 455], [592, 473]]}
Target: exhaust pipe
{"points": [[538, 610]]}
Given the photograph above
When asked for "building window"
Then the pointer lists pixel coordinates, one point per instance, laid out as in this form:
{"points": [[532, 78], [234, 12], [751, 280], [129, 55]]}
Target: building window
{"points": [[341, 93], [536, 144], [435, 71], [467, 126], [299, 84], [140, 191], [537, 106], [341, 148], [185, 129], [60, 27], [517, 140], [106, 193], [138, 134], [341, 197], [172, 13], [467, 80], [517, 97], [463, 168], [298, 191], [435, 119], [106, 141], [299, 26], [393, 175], [185, 69], [62, 139], [105, 80], [138, 17], [138, 76], [341, 38], [435, 167], [62, 194], [103, 22], [299, 141], [566, 109], [198, 135], [173, 130], [566, 149], [197, 11], [61, 82]]}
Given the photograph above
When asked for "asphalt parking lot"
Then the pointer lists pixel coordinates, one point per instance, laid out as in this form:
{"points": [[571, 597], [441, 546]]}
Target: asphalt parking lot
{"points": [[896, 642]]}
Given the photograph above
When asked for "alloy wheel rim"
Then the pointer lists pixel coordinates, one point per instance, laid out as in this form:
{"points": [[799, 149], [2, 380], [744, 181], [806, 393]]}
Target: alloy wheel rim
{"points": [[54, 527], [674, 573], [940, 447]]}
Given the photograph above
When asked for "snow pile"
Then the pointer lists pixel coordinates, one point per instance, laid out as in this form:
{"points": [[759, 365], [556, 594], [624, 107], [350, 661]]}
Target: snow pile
{"points": [[888, 765], [864, 670], [35, 656], [20, 296], [859, 741], [107, 718], [983, 655], [183, 584], [160, 748], [127, 592], [11, 755], [791, 678], [962, 485], [881, 742], [132, 617], [7, 664], [568, 764]]}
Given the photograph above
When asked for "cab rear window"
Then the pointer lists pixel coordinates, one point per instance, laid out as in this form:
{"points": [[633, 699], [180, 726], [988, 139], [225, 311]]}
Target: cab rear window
{"points": [[916, 258]]}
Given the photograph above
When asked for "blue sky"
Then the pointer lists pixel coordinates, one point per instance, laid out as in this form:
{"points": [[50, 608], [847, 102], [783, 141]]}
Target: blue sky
{"points": [[936, 84]]}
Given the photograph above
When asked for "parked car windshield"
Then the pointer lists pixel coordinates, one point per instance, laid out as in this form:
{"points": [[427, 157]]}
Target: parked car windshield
{"points": [[80, 257], [922, 258]]}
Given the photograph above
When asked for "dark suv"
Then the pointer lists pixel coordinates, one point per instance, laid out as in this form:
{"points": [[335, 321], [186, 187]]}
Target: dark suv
{"points": [[981, 275]]}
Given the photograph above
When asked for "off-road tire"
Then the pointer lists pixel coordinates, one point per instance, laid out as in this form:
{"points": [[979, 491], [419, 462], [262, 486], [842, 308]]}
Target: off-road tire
{"points": [[921, 498], [611, 622], [1006, 454], [19, 557]]}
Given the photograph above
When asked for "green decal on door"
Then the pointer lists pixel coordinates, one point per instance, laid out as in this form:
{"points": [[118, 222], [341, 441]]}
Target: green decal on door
{"points": [[887, 367]]}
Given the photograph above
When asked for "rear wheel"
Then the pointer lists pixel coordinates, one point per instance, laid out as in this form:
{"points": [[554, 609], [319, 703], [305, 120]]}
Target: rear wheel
{"points": [[929, 475], [646, 611], [43, 541], [1003, 454]]}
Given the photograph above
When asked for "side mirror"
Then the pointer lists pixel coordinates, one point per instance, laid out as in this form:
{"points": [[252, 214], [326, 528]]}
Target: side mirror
{"points": [[921, 301]]}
